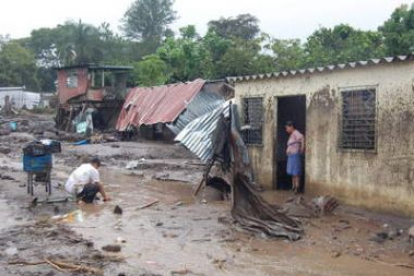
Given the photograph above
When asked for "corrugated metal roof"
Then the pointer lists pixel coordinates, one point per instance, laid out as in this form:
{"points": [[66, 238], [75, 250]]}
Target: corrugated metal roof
{"points": [[362, 63], [203, 103], [160, 104], [197, 135]]}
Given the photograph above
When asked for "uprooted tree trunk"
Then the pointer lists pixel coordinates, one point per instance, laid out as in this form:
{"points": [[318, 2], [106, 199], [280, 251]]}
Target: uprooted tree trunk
{"points": [[253, 213], [249, 209]]}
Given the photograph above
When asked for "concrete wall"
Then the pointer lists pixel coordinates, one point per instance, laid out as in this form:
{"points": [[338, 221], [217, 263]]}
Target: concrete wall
{"points": [[64, 92], [383, 180]]}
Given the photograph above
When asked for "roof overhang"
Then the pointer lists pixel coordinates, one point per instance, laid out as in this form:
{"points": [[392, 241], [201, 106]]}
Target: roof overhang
{"points": [[328, 68]]}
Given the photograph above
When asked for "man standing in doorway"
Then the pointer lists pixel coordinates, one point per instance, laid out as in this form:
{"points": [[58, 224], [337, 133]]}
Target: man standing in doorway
{"points": [[295, 150], [85, 183]]}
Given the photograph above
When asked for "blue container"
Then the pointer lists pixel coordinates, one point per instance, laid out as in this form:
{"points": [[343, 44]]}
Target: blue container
{"points": [[13, 126], [37, 163]]}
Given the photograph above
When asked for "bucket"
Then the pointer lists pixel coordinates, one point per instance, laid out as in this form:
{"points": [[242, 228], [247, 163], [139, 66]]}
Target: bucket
{"points": [[13, 126]]}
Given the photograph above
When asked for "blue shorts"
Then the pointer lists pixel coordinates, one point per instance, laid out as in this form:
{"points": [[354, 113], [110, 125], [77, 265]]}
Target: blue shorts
{"points": [[294, 165]]}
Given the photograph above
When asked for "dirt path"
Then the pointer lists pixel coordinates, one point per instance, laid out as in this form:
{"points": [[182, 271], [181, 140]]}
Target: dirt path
{"points": [[179, 235]]}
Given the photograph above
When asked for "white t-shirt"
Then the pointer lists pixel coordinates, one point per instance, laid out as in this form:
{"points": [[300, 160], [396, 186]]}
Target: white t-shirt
{"points": [[83, 175]]}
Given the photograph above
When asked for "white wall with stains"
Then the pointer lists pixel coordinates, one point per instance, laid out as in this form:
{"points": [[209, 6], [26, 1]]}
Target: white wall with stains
{"points": [[382, 180]]}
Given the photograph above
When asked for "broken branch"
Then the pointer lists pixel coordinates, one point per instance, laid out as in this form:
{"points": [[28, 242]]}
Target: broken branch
{"points": [[26, 263], [66, 267], [394, 264], [148, 205]]}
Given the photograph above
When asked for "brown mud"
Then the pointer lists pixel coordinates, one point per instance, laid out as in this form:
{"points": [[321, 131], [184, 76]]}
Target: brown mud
{"points": [[180, 235]]}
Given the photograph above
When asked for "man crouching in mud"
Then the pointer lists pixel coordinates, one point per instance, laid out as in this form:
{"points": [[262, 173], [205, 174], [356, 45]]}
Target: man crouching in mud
{"points": [[84, 182]]}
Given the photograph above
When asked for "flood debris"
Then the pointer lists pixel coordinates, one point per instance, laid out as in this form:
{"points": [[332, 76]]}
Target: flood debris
{"points": [[63, 267], [325, 204], [383, 236], [115, 248], [60, 256], [118, 210], [6, 177], [5, 150], [249, 209], [253, 213], [70, 268], [120, 240], [411, 234], [132, 165], [317, 207], [336, 254], [184, 272], [148, 205]]}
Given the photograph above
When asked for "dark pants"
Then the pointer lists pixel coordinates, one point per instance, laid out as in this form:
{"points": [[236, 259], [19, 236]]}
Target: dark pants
{"points": [[88, 193]]}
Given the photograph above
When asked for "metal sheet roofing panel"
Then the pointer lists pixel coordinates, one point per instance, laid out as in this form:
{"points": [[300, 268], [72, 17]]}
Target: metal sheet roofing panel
{"points": [[160, 104], [197, 135], [355, 64], [203, 103]]}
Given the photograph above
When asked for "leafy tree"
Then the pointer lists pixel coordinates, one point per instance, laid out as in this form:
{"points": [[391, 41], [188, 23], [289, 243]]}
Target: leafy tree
{"points": [[244, 26], [289, 54], [398, 31], [342, 44], [17, 66], [148, 20], [244, 58], [217, 47], [186, 56], [70, 43], [150, 71], [189, 32], [46, 78]]}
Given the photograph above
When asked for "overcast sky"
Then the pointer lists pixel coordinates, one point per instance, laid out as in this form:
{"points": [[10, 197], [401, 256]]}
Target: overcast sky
{"points": [[280, 18]]}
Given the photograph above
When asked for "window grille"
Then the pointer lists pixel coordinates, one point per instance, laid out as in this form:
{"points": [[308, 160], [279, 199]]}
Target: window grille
{"points": [[253, 120], [358, 126]]}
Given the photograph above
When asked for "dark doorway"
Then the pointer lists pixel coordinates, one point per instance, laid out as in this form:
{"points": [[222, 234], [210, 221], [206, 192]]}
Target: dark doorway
{"points": [[292, 108]]}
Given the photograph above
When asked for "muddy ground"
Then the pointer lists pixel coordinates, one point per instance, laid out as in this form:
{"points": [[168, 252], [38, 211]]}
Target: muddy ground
{"points": [[180, 235]]}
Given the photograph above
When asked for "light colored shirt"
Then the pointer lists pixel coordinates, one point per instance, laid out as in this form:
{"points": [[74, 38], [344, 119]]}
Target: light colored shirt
{"points": [[295, 143], [83, 175]]}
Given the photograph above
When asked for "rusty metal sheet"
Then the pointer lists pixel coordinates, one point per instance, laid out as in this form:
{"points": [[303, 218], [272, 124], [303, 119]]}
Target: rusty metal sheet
{"points": [[160, 104]]}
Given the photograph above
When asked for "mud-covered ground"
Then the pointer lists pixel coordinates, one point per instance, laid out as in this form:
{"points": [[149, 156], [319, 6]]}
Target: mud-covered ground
{"points": [[180, 235]]}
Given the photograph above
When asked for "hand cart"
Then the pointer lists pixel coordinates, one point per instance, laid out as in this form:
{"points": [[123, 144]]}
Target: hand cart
{"points": [[38, 169]]}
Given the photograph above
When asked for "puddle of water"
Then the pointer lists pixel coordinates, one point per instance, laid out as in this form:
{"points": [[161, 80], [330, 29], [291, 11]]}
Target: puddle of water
{"points": [[74, 216]]}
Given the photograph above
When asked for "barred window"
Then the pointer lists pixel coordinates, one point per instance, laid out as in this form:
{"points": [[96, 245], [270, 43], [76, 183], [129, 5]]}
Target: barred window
{"points": [[358, 130], [253, 119]]}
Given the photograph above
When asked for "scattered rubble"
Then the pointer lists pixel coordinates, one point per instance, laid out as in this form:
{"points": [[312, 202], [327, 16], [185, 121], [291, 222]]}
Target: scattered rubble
{"points": [[118, 210], [112, 248], [180, 221], [411, 234], [6, 177], [30, 256]]}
